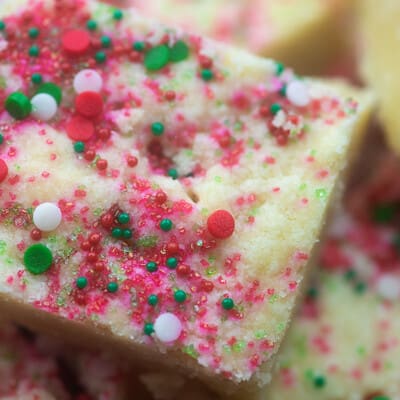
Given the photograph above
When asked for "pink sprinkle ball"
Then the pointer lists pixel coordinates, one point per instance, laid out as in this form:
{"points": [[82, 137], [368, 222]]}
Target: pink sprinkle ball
{"points": [[76, 42]]}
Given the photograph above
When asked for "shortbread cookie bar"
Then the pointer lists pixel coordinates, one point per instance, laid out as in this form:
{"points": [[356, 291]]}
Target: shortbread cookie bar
{"points": [[92, 375], [160, 190], [344, 344], [344, 341], [26, 374], [104, 378], [100, 376], [306, 34], [380, 63]]}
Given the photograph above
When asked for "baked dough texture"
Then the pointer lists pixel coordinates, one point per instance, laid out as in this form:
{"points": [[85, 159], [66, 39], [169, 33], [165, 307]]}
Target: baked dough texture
{"points": [[378, 39], [161, 192], [308, 35]]}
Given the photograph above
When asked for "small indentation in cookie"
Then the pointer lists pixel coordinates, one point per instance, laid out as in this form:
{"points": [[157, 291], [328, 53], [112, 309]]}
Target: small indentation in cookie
{"points": [[159, 162]]}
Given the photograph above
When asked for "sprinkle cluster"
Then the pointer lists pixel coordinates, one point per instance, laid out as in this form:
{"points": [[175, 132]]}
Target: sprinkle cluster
{"points": [[153, 254]]}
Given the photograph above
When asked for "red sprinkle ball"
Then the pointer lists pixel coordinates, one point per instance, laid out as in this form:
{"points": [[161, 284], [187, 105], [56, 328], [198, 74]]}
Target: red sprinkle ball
{"points": [[3, 170], [89, 104], [76, 42], [132, 161], [101, 164], [221, 224], [36, 234], [80, 129]]}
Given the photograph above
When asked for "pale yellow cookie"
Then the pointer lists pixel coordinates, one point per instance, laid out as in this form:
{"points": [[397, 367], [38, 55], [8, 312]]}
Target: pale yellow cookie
{"points": [[379, 42], [307, 35], [159, 190]]}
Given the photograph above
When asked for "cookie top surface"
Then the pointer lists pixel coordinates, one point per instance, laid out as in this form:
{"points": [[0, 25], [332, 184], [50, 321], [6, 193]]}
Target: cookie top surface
{"points": [[345, 339], [161, 185]]}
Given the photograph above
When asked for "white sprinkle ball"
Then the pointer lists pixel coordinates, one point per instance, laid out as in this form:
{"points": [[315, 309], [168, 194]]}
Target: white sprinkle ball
{"points": [[88, 80], [167, 327], [44, 106], [388, 286], [297, 93], [47, 217]]}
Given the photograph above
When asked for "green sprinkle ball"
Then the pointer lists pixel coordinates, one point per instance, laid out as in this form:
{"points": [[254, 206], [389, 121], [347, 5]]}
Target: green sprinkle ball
{"points": [[207, 75], [396, 242], [384, 213], [350, 275], [180, 296], [173, 173], [312, 293], [179, 51], [151, 266], [166, 224], [319, 381], [18, 105], [100, 57], [279, 68], [123, 218], [116, 233], [1, 139], [282, 91], [81, 282], [112, 287], [172, 262], [79, 147], [105, 41], [91, 25], [275, 108], [148, 329], [227, 303], [118, 15], [138, 46], [2, 25], [127, 233], [152, 300], [37, 259], [360, 287], [157, 128], [52, 89], [156, 58], [34, 51], [37, 79], [381, 397], [33, 33]]}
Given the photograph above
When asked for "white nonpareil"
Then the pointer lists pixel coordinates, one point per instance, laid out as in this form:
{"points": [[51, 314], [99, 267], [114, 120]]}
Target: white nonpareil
{"points": [[297, 93], [388, 286], [47, 217], [88, 80], [44, 106], [167, 327]]}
